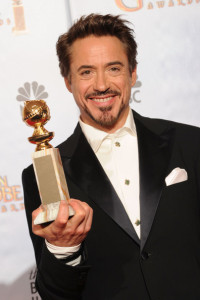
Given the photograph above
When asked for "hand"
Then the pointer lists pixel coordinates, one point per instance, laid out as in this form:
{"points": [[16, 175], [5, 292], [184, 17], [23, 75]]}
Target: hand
{"points": [[65, 232]]}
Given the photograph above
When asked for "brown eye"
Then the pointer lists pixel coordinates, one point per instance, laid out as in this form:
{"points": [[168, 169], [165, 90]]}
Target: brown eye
{"points": [[86, 72], [114, 69]]}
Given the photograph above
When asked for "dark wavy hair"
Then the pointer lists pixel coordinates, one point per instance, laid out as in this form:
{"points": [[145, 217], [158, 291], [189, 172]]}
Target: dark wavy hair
{"points": [[97, 25]]}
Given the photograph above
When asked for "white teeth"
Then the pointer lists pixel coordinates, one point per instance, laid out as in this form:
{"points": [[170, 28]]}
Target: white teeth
{"points": [[102, 99]]}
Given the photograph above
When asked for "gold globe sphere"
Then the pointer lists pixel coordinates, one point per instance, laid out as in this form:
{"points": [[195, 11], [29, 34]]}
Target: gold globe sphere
{"points": [[36, 113]]}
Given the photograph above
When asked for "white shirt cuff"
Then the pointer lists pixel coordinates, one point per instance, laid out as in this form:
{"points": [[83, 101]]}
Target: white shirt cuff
{"points": [[64, 252]]}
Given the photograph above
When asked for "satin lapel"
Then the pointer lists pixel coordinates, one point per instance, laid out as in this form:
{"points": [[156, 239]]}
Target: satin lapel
{"points": [[85, 170], [154, 156]]}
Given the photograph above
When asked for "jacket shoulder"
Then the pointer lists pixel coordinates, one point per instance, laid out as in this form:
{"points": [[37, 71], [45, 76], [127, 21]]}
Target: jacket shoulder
{"points": [[160, 125]]}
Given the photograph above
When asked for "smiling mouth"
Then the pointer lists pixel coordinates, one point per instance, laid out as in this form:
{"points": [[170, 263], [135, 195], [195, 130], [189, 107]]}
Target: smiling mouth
{"points": [[102, 97], [101, 100]]}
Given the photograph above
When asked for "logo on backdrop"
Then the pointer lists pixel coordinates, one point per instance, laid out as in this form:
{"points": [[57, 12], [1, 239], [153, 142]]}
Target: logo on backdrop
{"points": [[11, 199], [17, 19], [33, 290], [134, 96], [134, 5], [31, 91]]}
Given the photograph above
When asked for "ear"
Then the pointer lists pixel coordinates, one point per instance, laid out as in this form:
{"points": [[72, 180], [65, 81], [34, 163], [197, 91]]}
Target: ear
{"points": [[133, 77], [68, 84]]}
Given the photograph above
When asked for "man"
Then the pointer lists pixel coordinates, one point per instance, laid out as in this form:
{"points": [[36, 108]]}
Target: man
{"points": [[137, 177]]}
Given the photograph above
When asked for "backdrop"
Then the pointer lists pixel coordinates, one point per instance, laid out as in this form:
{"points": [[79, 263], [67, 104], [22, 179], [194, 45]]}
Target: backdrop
{"points": [[167, 87]]}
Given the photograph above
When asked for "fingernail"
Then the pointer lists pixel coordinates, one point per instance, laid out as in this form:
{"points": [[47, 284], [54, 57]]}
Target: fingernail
{"points": [[63, 202]]}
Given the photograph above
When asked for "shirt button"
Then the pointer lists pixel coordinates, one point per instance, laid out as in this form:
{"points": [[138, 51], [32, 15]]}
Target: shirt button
{"points": [[137, 222], [127, 181], [117, 144]]}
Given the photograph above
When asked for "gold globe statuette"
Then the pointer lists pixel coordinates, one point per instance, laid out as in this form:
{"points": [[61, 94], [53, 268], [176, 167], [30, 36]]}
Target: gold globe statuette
{"points": [[47, 163], [36, 114]]}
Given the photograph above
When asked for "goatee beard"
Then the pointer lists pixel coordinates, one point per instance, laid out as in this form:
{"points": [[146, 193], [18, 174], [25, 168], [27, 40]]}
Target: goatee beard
{"points": [[106, 120]]}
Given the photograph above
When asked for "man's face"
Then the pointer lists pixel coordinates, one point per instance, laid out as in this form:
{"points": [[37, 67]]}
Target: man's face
{"points": [[100, 81]]}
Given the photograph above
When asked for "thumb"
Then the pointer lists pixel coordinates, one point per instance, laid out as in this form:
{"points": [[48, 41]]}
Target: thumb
{"points": [[36, 212]]}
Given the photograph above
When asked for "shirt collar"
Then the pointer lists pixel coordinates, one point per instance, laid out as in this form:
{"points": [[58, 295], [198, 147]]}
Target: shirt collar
{"points": [[96, 136]]}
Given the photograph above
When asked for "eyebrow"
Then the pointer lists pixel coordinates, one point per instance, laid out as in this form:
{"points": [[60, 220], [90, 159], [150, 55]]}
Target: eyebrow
{"points": [[85, 67], [114, 63], [107, 65]]}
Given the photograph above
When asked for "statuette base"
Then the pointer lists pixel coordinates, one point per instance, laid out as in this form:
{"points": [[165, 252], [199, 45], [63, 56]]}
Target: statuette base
{"points": [[50, 212]]}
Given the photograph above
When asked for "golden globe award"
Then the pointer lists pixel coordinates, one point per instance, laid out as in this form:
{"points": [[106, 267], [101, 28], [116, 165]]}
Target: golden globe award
{"points": [[47, 163]]}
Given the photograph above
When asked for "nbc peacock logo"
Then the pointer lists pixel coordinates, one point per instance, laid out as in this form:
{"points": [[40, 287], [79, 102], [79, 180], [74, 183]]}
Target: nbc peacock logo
{"points": [[31, 91], [136, 91]]}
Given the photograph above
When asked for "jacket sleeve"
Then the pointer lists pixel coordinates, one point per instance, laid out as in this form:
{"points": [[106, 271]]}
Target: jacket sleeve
{"points": [[55, 280]]}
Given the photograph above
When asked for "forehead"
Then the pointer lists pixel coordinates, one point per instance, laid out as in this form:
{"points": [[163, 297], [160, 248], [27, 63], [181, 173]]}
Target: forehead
{"points": [[94, 50]]}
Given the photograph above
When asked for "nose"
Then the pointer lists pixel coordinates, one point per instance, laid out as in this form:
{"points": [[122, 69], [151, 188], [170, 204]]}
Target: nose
{"points": [[101, 82]]}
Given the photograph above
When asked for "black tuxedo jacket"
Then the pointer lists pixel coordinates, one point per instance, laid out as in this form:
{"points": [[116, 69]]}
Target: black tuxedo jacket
{"points": [[165, 263]]}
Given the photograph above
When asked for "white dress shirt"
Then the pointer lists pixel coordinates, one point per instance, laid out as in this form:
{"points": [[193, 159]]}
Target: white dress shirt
{"points": [[118, 154]]}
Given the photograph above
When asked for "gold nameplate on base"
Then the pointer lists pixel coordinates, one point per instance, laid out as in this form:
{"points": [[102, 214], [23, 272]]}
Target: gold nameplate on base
{"points": [[47, 163]]}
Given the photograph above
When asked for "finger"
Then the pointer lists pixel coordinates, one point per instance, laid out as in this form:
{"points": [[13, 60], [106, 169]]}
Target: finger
{"points": [[36, 212], [89, 214], [84, 227], [88, 224], [80, 213], [81, 224], [63, 214], [37, 229]]}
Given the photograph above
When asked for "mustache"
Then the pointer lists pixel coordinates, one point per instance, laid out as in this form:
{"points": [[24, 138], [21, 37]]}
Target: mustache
{"points": [[102, 93]]}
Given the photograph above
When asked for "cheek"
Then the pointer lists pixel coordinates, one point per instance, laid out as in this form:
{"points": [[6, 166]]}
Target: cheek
{"points": [[82, 89], [123, 84], [78, 92]]}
